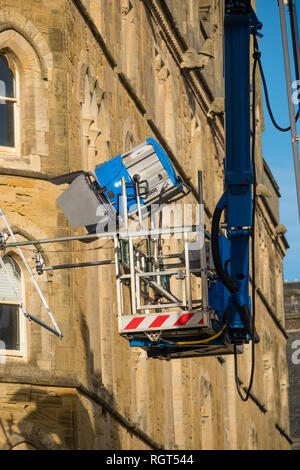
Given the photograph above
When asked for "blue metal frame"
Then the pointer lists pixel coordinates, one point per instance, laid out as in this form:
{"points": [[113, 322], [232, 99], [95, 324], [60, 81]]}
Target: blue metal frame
{"points": [[237, 197], [218, 294], [238, 167]]}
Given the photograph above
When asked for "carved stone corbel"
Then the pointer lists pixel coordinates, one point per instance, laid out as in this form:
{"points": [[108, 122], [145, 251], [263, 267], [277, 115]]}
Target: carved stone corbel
{"points": [[216, 107], [198, 60]]}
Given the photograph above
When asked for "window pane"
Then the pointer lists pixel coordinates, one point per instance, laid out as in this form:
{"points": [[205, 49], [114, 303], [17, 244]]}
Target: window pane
{"points": [[9, 326], [7, 89], [7, 124], [10, 281], [7, 79]]}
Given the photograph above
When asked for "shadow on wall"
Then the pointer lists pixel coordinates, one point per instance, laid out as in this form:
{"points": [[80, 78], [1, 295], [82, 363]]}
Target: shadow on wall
{"points": [[56, 420], [59, 418]]}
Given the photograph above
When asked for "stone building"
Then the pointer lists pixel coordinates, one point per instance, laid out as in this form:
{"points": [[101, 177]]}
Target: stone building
{"points": [[292, 319], [85, 81]]}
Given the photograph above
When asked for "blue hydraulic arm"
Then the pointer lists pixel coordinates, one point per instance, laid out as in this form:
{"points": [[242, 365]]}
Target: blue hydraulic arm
{"points": [[240, 21]]}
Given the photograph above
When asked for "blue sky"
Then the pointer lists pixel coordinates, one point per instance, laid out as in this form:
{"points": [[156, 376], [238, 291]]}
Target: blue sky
{"points": [[277, 146]]}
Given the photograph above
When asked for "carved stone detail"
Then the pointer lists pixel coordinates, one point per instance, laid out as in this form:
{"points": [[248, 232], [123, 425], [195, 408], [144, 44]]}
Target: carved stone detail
{"points": [[198, 60]]}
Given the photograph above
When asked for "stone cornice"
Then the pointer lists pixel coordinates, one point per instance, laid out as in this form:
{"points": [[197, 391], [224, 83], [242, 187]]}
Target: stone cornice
{"points": [[169, 28]]}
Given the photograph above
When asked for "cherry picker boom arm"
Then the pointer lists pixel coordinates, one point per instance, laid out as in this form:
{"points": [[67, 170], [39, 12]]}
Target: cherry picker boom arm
{"points": [[236, 201], [229, 307], [230, 323]]}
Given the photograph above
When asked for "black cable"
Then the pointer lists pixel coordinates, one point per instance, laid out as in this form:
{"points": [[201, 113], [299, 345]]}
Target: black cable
{"points": [[224, 276], [228, 282], [256, 56], [36, 250], [281, 129]]}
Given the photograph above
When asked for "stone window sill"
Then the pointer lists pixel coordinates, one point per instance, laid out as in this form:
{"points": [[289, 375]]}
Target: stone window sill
{"points": [[10, 158]]}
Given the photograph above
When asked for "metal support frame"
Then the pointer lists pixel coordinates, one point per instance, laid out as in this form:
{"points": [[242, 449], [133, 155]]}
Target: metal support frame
{"points": [[154, 309], [41, 268], [137, 276], [153, 232], [56, 329], [203, 266]]}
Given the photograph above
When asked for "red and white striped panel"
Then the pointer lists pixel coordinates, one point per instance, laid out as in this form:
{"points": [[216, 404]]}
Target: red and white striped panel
{"points": [[162, 321]]}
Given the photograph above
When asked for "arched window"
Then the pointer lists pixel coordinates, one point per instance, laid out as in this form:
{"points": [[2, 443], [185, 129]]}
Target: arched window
{"points": [[10, 295], [8, 101]]}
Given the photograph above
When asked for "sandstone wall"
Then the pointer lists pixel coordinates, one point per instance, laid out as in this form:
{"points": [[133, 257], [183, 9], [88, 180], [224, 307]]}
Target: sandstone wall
{"points": [[97, 78]]}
